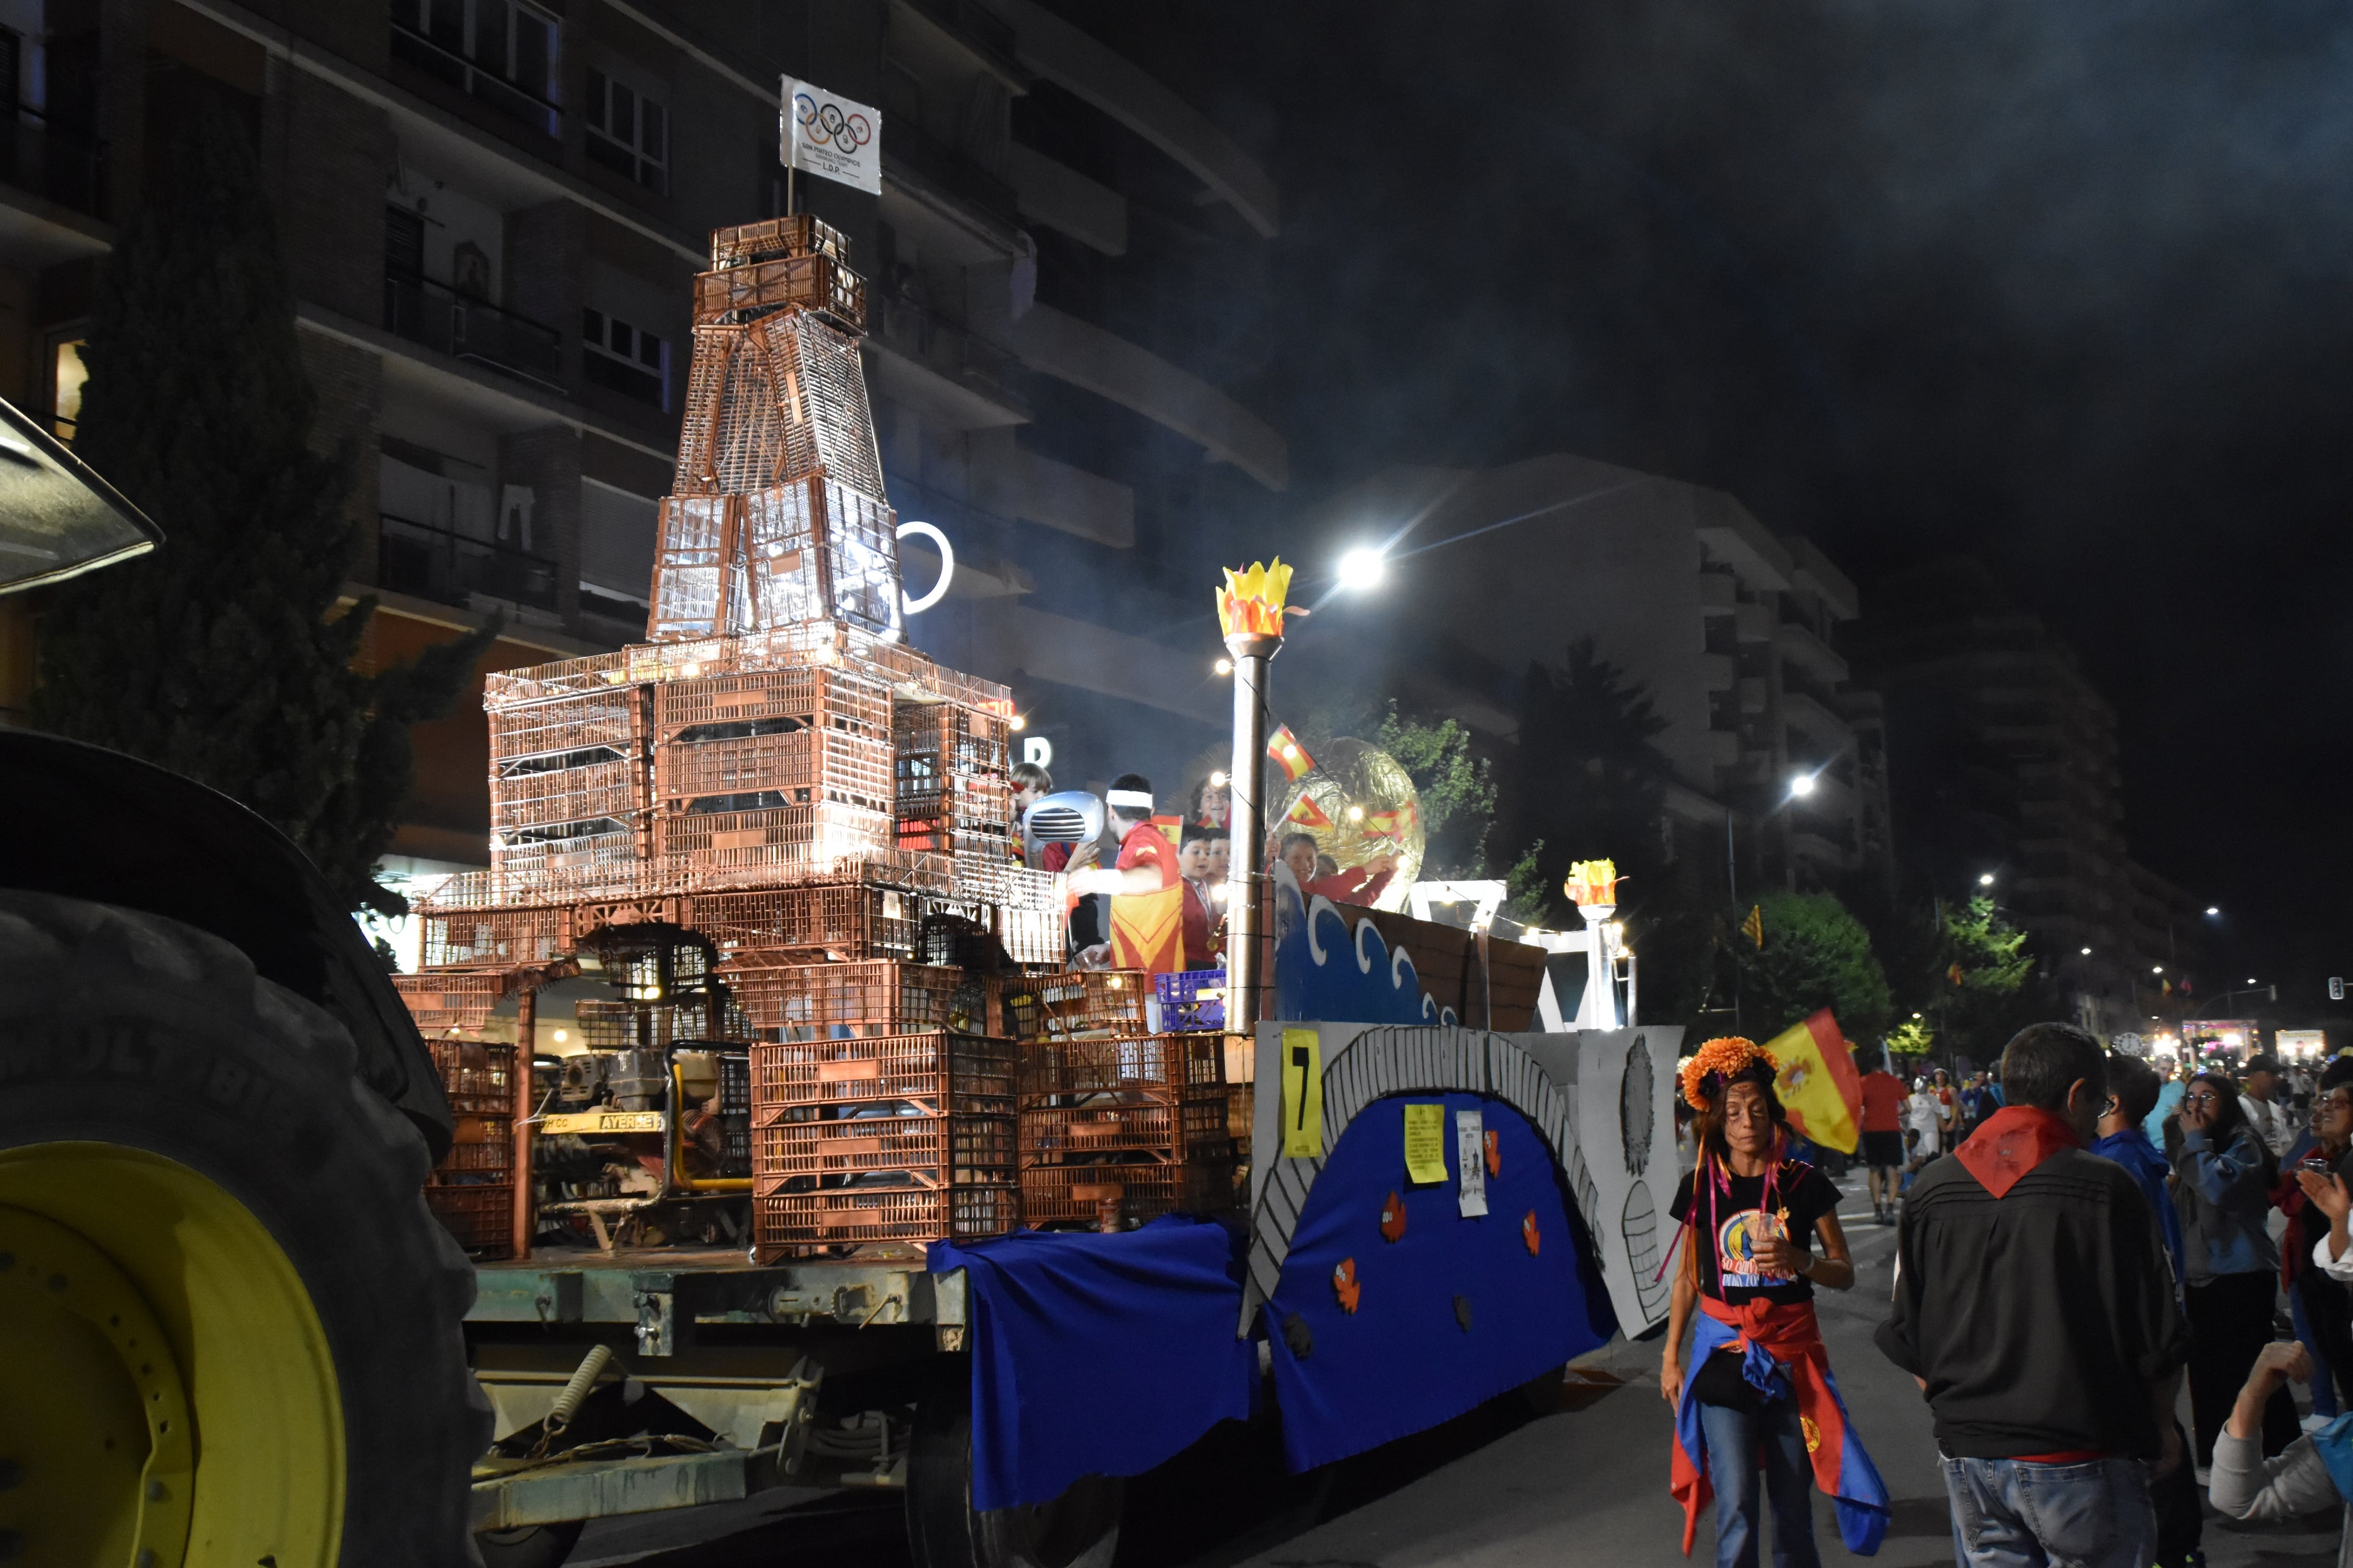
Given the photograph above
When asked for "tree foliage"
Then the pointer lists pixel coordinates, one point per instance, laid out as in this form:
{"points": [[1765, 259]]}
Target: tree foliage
{"points": [[1588, 782], [1815, 955], [220, 656], [1457, 790], [1998, 990]]}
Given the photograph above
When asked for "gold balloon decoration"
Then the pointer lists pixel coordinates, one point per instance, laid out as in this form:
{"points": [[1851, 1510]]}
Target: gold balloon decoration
{"points": [[1358, 803]]}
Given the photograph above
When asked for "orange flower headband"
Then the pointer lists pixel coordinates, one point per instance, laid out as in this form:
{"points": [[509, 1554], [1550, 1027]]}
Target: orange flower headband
{"points": [[1720, 1058]]}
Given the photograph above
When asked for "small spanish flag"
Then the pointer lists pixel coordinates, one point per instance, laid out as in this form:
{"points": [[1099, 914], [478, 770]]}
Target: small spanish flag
{"points": [[1306, 814], [1753, 928], [1288, 754], [1953, 973]]}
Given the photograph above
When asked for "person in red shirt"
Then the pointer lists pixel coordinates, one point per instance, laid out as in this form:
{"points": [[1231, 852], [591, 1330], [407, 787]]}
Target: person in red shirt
{"points": [[1361, 886], [1147, 861], [1883, 1137], [1032, 784], [1203, 912]]}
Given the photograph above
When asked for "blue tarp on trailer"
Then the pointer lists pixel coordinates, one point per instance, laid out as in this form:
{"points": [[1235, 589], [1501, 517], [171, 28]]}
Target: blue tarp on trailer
{"points": [[1100, 1355]]}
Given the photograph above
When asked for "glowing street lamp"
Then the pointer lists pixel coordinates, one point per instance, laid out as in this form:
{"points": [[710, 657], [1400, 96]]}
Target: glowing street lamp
{"points": [[1985, 879], [1801, 786], [1361, 569]]}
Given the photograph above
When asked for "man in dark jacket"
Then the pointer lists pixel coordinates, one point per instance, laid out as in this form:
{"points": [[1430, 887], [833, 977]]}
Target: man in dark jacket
{"points": [[2034, 1305]]}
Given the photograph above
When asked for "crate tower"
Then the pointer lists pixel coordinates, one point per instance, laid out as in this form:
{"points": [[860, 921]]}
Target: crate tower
{"points": [[775, 770]]}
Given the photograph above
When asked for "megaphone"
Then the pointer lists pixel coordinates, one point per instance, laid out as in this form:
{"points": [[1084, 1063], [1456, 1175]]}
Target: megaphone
{"points": [[1073, 816]]}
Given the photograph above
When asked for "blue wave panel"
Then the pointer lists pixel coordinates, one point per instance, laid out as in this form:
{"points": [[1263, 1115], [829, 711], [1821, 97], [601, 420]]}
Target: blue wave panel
{"points": [[1322, 971], [1452, 1313]]}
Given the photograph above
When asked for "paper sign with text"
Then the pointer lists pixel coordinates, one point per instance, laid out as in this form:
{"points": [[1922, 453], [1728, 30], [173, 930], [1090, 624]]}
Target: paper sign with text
{"points": [[1470, 1162], [1303, 1095], [1425, 1143]]}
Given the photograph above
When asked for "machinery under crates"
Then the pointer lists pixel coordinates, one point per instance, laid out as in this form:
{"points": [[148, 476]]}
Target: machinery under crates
{"points": [[778, 845]]}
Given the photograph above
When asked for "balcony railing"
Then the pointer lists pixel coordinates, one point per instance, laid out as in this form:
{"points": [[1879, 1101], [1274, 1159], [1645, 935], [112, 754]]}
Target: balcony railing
{"points": [[951, 350], [949, 170], [434, 562], [429, 312], [448, 65], [68, 167]]}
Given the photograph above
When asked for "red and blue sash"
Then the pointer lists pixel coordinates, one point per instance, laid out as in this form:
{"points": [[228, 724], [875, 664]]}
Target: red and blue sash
{"points": [[1780, 1347]]}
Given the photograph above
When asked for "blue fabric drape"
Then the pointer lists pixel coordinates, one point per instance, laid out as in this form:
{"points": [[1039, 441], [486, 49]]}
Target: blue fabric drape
{"points": [[1098, 1354], [1407, 1359]]}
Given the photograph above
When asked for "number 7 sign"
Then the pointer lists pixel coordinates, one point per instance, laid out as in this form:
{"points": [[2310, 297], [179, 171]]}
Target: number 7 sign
{"points": [[1303, 1095]]}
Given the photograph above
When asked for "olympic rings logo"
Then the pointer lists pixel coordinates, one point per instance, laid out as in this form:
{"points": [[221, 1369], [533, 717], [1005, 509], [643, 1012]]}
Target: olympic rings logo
{"points": [[824, 125]]}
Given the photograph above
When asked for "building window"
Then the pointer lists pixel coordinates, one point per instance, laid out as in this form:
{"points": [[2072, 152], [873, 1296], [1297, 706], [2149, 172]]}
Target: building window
{"points": [[622, 358], [629, 133], [500, 51], [66, 374]]}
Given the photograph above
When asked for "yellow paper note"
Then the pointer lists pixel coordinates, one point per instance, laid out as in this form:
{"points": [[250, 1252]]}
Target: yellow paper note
{"points": [[1425, 1143], [1303, 1095]]}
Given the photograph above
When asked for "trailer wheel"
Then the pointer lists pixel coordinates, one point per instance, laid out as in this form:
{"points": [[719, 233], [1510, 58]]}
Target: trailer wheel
{"points": [[532, 1546], [1078, 1529], [227, 1318]]}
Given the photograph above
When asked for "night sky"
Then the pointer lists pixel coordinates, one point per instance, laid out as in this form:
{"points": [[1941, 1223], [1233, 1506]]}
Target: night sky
{"points": [[2066, 287]]}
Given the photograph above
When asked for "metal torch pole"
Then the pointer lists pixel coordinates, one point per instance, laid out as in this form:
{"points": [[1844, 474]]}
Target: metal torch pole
{"points": [[1246, 879], [525, 1215]]}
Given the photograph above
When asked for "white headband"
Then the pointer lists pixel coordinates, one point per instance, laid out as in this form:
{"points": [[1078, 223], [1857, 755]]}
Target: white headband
{"points": [[1134, 797]]}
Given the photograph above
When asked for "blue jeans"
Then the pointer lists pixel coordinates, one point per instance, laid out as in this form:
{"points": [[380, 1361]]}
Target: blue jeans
{"points": [[2011, 1514], [1736, 1441]]}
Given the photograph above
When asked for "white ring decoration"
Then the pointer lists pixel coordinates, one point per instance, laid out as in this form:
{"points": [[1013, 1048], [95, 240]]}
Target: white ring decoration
{"points": [[947, 567]]}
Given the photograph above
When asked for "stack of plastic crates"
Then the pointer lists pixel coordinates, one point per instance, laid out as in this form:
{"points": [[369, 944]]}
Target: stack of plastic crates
{"points": [[766, 770], [886, 1138], [1191, 1000], [471, 1191], [568, 790], [816, 923], [1117, 1131]]}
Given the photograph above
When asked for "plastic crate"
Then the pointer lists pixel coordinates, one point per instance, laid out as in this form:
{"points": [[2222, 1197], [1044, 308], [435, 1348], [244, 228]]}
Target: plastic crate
{"points": [[933, 1068], [477, 1078], [934, 1151], [479, 1215], [1074, 1003], [441, 1003], [1032, 936], [1075, 1195], [822, 733], [870, 997], [842, 921], [788, 1225], [1191, 1000], [1152, 1133], [1163, 1068], [481, 938]]}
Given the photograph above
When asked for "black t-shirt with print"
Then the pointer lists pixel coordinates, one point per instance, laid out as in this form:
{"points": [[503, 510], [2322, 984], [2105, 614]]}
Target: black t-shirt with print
{"points": [[1729, 1223]]}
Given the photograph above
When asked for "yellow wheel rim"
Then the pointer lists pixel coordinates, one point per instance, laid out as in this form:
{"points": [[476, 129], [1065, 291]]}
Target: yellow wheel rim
{"points": [[166, 1393]]}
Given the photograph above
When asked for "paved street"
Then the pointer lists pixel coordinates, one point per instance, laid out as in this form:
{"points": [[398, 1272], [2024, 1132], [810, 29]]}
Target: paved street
{"points": [[1497, 1488]]}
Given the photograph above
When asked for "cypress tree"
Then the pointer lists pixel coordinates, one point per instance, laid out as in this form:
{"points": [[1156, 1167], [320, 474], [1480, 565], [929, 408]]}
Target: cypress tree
{"points": [[221, 655]]}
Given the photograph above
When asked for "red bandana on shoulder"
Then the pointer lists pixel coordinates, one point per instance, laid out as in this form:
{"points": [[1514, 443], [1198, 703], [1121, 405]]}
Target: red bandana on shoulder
{"points": [[2013, 1141]]}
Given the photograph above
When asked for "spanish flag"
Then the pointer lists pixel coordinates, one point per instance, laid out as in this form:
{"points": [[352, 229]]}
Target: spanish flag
{"points": [[1753, 928], [1288, 754], [1307, 815], [1818, 1084], [1147, 931]]}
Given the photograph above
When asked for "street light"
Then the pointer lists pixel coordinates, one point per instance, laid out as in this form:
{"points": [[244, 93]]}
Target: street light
{"points": [[1363, 568], [1223, 667], [2087, 953], [2156, 969], [1801, 786], [1985, 879], [2212, 911]]}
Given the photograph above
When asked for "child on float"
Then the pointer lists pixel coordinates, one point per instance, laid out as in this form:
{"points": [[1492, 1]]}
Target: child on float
{"points": [[1757, 1390]]}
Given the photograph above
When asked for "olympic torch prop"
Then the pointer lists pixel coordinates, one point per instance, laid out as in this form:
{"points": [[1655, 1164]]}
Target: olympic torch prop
{"points": [[1592, 886], [1250, 611]]}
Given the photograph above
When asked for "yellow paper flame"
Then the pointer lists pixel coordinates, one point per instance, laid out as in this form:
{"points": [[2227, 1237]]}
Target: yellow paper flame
{"points": [[1592, 882], [1251, 601]]}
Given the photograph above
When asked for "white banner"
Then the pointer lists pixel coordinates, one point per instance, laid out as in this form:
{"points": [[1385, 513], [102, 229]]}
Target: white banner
{"points": [[826, 134]]}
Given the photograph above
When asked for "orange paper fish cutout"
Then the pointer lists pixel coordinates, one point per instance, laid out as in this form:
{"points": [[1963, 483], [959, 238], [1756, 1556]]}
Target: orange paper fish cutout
{"points": [[1494, 1154], [1528, 1234], [1345, 1286], [1393, 1218]]}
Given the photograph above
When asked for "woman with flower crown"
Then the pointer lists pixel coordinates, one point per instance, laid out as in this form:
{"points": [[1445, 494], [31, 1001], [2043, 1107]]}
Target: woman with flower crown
{"points": [[1757, 1387]]}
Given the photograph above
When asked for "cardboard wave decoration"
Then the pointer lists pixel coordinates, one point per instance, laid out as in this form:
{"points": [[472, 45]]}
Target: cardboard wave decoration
{"points": [[1321, 972]]}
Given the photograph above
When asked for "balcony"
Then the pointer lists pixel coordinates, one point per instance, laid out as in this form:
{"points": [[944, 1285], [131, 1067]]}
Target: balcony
{"points": [[929, 363], [948, 172], [64, 166], [441, 59], [436, 563], [437, 316]]}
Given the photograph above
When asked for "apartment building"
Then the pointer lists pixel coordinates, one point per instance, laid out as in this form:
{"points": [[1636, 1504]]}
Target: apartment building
{"points": [[1730, 630], [492, 210], [2004, 765]]}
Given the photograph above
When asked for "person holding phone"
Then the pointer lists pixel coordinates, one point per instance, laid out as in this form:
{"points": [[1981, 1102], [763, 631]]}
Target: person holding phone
{"points": [[2222, 1179]]}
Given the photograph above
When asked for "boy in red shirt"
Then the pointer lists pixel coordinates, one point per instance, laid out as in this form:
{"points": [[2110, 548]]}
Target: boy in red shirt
{"points": [[1882, 1138]]}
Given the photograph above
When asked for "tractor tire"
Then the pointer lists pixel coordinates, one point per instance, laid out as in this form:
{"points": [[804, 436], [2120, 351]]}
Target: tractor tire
{"points": [[1078, 1529], [532, 1546], [227, 1316]]}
